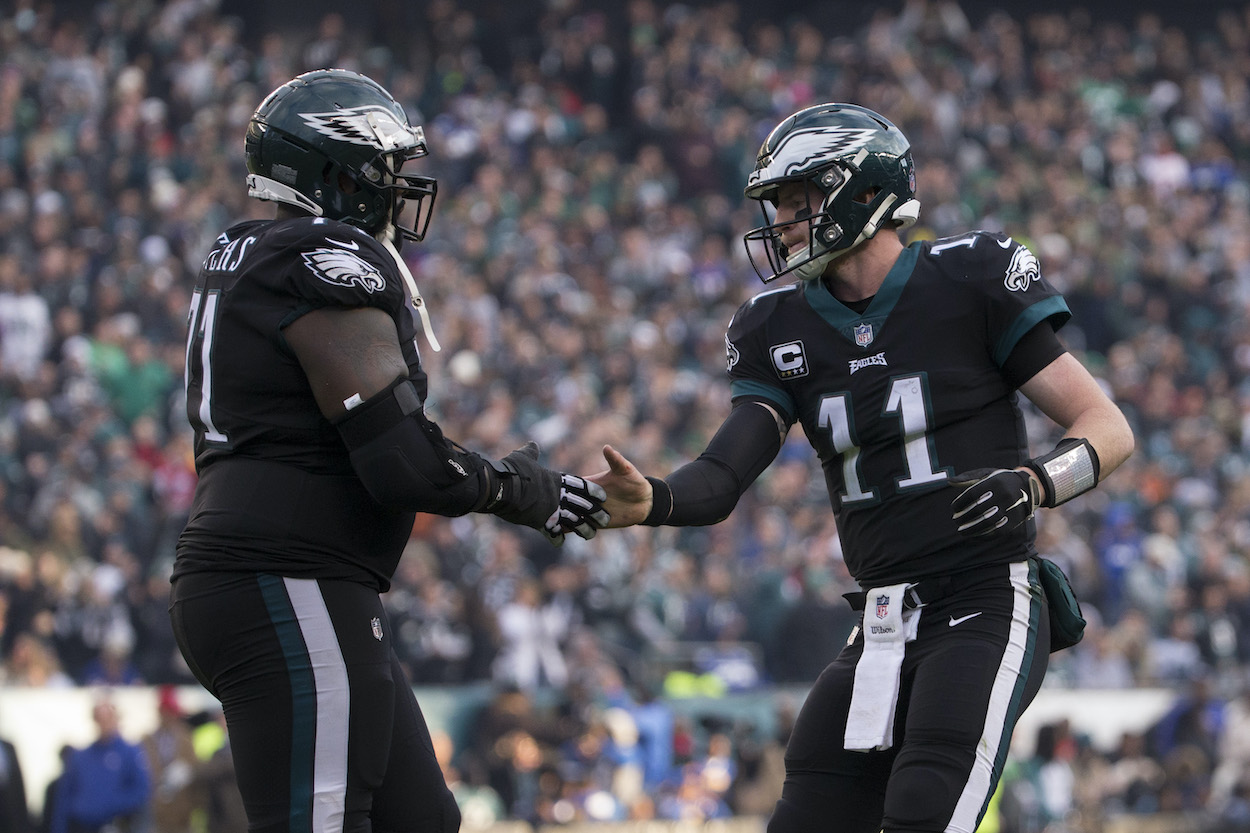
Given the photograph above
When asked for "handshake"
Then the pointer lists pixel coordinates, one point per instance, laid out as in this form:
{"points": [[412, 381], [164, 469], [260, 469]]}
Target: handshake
{"points": [[552, 502], [556, 503]]}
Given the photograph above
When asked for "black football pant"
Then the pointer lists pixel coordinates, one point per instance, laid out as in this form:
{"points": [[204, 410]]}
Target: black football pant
{"points": [[324, 729], [977, 661]]}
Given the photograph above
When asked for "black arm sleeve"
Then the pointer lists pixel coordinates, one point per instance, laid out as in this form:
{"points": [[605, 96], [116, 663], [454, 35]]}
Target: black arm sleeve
{"points": [[1035, 349], [404, 460], [706, 490]]}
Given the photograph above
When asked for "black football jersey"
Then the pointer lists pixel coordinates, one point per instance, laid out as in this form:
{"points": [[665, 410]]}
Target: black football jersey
{"points": [[897, 399], [277, 491]]}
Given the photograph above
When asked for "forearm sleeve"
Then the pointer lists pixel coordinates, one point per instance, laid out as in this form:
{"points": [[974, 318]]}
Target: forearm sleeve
{"points": [[706, 490], [404, 460]]}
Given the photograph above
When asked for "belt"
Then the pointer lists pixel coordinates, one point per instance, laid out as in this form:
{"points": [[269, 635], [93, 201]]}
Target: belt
{"points": [[914, 597], [927, 590]]}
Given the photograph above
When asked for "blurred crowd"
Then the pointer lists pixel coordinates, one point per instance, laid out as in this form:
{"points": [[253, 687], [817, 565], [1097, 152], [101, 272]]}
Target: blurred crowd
{"points": [[583, 263]]}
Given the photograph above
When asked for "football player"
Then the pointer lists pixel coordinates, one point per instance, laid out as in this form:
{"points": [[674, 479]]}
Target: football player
{"points": [[306, 392], [902, 364]]}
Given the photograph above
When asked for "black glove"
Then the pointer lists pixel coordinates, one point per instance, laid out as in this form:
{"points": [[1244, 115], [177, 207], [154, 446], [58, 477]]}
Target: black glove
{"points": [[993, 499], [528, 494]]}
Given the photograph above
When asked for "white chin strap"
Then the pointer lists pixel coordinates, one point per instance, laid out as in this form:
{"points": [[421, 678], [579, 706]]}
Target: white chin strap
{"points": [[384, 236], [813, 268], [264, 188]]}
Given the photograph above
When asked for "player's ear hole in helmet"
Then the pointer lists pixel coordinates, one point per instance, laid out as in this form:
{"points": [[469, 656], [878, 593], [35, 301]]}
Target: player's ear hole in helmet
{"points": [[859, 176], [334, 143]]}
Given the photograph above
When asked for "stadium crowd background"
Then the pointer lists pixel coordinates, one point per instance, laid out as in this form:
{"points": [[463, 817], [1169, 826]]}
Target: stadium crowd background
{"points": [[583, 263]]}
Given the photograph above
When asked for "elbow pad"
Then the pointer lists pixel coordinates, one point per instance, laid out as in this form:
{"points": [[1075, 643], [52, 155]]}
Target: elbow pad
{"points": [[404, 460]]}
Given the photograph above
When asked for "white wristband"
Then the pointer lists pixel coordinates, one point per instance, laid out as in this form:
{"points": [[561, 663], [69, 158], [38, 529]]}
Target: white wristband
{"points": [[1070, 470]]}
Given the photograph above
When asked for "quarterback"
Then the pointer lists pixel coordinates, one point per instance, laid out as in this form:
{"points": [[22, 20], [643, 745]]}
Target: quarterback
{"points": [[902, 364]]}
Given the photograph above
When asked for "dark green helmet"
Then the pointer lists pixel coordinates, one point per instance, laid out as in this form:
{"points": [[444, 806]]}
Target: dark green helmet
{"points": [[332, 142], [848, 153]]}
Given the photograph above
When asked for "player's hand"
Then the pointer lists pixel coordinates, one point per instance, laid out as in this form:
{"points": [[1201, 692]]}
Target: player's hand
{"points": [[553, 503], [580, 510], [993, 499], [628, 492]]}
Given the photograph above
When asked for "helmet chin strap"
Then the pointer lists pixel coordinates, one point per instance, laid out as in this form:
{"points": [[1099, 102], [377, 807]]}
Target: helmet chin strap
{"points": [[264, 188], [385, 236], [813, 268]]}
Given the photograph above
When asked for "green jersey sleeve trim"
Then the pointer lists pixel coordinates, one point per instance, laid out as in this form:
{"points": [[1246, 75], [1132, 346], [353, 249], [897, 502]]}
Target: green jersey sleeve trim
{"points": [[778, 397], [1026, 320]]}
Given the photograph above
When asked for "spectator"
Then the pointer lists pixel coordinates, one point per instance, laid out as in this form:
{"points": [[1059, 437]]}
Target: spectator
{"points": [[480, 806], [52, 793], [112, 666], [172, 763], [107, 783], [14, 817], [530, 631], [25, 323], [1134, 780], [214, 774], [33, 662]]}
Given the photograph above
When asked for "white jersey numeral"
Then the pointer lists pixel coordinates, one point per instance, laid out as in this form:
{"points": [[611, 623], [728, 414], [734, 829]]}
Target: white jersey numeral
{"points": [[908, 398], [966, 241], [201, 324]]}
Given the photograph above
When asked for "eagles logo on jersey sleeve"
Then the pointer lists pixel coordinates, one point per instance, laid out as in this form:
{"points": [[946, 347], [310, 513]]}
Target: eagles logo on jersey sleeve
{"points": [[339, 265], [1009, 278]]}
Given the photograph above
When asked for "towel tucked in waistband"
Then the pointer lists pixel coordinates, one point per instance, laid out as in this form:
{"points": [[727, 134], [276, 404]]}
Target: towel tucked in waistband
{"points": [[888, 626]]}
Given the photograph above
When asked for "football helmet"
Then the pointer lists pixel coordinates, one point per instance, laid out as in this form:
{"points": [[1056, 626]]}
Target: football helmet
{"points": [[333, 142], [862, 174]]}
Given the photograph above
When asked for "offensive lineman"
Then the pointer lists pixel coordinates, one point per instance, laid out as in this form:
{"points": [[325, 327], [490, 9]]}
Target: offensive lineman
{"points": [[902, 365], [306, 392]]}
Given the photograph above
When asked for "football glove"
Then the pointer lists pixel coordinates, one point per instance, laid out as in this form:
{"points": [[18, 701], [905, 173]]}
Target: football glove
{"points": [[993, 499], [581, 509], [528, 494]]}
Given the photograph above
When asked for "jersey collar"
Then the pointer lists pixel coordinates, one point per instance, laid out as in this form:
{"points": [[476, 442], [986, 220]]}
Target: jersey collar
{"points": [[844, 319]]}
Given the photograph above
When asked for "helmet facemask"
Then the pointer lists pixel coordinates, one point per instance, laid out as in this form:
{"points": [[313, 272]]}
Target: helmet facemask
{"points": [[823, 232], [409, 198]]}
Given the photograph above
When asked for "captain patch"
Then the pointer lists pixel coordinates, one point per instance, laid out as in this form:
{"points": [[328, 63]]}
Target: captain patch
{"points": [[789, 359]]}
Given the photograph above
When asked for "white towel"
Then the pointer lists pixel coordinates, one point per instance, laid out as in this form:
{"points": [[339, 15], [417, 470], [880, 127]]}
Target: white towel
{"points": [[888, 627]]}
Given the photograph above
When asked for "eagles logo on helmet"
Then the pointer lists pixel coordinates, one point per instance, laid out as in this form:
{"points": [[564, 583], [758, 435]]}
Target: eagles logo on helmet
{"points": [[845, 152], [333, 142]]}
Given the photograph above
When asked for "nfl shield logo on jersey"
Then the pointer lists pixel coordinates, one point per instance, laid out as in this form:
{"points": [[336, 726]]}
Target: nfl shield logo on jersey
{"points": [[863, 334], [883, 606], [376, 624]]}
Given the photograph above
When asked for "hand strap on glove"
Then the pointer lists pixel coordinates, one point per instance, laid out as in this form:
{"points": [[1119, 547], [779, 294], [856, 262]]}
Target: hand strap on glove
{"points": [[520, 490], [1070, 470]]}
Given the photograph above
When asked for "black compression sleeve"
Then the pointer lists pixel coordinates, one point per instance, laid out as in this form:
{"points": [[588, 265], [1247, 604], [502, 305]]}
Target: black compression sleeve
{"points": [[706, 490], [404, 460], [1035, 349]]}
